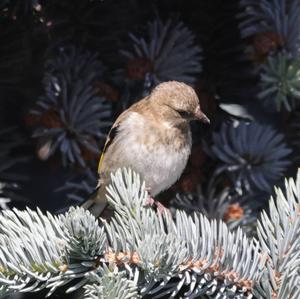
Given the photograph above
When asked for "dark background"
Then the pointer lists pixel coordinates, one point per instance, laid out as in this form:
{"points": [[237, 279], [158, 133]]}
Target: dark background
{"points": [[31, 34]]}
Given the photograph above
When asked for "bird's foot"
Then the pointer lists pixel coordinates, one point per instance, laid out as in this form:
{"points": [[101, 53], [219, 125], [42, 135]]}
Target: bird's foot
{"points": [[154, 203], [150, 200], [161, 208]]}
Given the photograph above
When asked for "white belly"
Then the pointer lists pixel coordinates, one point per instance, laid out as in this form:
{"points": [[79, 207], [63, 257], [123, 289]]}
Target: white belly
{"points": [[159, 165], [164, 168]]}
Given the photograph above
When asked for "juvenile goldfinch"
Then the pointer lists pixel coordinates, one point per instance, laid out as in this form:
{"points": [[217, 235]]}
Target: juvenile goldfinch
{"points": [[153, 138]]}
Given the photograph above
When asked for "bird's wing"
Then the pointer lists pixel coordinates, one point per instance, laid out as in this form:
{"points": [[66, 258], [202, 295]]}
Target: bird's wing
{"points": [[114, 129], [97, 202], [110, 137]]}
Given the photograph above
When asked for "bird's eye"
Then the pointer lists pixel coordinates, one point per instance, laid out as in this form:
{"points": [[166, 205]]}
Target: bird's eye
{"points": [[184, 114]]}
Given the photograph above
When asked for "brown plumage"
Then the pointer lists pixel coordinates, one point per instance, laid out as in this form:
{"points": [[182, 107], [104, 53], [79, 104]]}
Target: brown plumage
{"points": [[153, 138]]}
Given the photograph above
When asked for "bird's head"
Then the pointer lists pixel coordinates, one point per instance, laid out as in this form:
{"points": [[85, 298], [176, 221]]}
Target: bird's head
{"points": [[180, 99]]}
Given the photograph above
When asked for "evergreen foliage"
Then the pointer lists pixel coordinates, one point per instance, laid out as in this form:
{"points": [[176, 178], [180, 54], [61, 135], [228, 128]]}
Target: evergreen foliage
{"points": [[272, 26], [142, 252], [142, 248], [280, 80], [72, 115], [68, 68], [168, 52], [255, 156]]}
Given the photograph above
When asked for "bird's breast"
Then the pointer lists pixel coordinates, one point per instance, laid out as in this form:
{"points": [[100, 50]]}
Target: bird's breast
{"points": [[166, 167], [159, 154]]}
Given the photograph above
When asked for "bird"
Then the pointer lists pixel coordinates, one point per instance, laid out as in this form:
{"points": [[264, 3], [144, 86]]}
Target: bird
{"points": [[153, 138]]}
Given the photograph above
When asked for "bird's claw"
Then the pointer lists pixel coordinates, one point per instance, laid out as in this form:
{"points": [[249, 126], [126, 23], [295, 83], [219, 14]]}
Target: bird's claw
{"points": [[160, 207]]}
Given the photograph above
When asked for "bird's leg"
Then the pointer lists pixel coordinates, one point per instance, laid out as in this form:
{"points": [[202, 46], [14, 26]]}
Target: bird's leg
{"points": [[151, 202], [161, 208]]}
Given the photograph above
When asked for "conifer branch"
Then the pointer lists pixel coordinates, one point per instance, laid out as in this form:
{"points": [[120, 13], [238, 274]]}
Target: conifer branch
{"points": [[145, 250], [278, 233]]}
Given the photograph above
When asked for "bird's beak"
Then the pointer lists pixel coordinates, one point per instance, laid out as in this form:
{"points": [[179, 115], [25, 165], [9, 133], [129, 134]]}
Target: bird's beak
{"points": [[199, 115]]}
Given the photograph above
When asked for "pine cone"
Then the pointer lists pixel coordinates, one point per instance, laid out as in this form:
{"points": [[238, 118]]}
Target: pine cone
{"points": [[189, 181], [265, 42], [233, 212], [136, 69], [51, 119], [107, 91]]}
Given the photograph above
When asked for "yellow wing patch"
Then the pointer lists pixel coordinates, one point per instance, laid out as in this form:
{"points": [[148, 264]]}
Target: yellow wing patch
{"points": [[100, 161], [111, 135]]}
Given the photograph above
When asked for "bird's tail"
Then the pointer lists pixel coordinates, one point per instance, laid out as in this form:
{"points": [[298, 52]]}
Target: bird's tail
{"points": [[96, 203]]}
